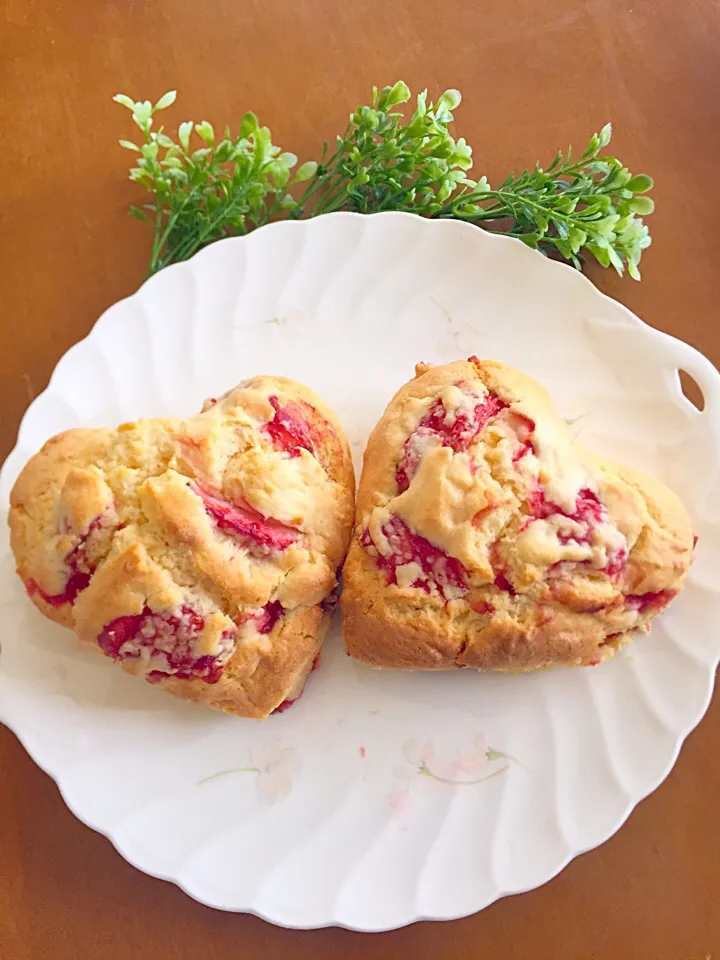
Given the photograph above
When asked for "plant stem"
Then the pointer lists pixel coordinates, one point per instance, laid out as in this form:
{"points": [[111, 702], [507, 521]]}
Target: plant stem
{"points": [[427, 772], [225, 773]]}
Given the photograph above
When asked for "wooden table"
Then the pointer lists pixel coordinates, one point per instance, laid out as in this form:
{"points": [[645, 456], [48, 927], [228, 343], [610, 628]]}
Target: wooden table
{"points": [[535, 77]]}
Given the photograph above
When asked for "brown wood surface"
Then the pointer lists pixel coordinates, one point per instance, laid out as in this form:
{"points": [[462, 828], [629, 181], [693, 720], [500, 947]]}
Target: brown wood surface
{"points": [[536, 76]]}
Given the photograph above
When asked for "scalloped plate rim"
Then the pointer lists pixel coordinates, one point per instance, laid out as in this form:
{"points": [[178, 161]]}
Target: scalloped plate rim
{"points": [[628, 315], [40, 755], [331, 921]]}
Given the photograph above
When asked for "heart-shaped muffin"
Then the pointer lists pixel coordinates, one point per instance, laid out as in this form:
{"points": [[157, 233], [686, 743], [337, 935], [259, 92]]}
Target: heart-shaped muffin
{"points": [[487, 537], [202, 554]]}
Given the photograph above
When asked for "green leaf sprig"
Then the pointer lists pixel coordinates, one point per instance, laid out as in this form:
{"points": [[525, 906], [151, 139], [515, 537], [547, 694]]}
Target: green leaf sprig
{"points": [[589, 205], [225, 186], [385, 160]]}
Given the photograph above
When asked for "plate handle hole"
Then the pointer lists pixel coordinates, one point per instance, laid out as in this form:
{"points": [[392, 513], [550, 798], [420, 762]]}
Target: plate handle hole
{"points": [[691, 390]]}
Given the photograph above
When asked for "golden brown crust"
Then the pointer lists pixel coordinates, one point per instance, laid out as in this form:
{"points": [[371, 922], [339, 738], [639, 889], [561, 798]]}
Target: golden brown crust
{"points": [[199, 553], [508, 548]]}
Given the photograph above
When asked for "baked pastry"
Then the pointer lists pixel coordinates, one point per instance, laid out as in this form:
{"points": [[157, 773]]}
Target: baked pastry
{"points": [[487, 537], [202, 554]]}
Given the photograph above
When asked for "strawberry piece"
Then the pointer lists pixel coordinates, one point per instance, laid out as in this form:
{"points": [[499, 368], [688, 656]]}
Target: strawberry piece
{"points": [[502, 583], [164, 636], [588, 512], [285, 705], [654, 601], [289, 429], [439, 569], [77, 582], [268, 616], [524, 429], [617, 564], [482, 607], [467, 424], [331, 600], [588, 509], [80, 571], [522, 451], [246, 523], [496, 562], [458, 435]]}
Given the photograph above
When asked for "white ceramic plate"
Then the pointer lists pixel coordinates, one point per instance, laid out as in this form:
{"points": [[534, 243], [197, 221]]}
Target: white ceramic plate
{"points": [[378, 799]]}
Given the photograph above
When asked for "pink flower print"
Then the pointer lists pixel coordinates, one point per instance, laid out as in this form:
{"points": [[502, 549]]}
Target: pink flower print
{"points": [[416, 756], [471, 764], [399, 800], [473, 760], [274, 765]]}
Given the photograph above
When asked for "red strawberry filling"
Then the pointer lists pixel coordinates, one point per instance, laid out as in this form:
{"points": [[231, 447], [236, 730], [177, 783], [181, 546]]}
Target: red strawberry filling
{"points": [[268, 616], [652, 602], [285, 705], [588, 509], [438, 424], [482, 607], [331, 600], [440, 571], [616, 564], [588, 513], [246, 523], [77, 582], [167, 637], [289, 429], [524, 429], [501, 581], [80, 571]]}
